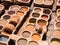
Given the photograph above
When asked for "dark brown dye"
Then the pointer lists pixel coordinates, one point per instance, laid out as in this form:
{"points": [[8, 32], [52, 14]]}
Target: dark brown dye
{"points": [[3, 38], [6, 17], [58, 18], [39, 30], [32, 20], [42, 22], [7, 30], [1, 27], [35, 14], [46, 11], [58, 10], [25, 0], [11, 12], [58, 24], [11, 42], [14, 20], [13, 23]]}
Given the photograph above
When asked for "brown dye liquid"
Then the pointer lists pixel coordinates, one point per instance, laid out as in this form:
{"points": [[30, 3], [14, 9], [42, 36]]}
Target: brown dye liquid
{"points": [[42, 22], [13, 23], [35, 14], [39, 1], [32, 20], [20, 13], [9, 28], [58, 12], [36, 37], [30, 27], [37, 10], [3, 22], [15, 19], [24, 9], [6, 17], [1, 26], [46, 11]]}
